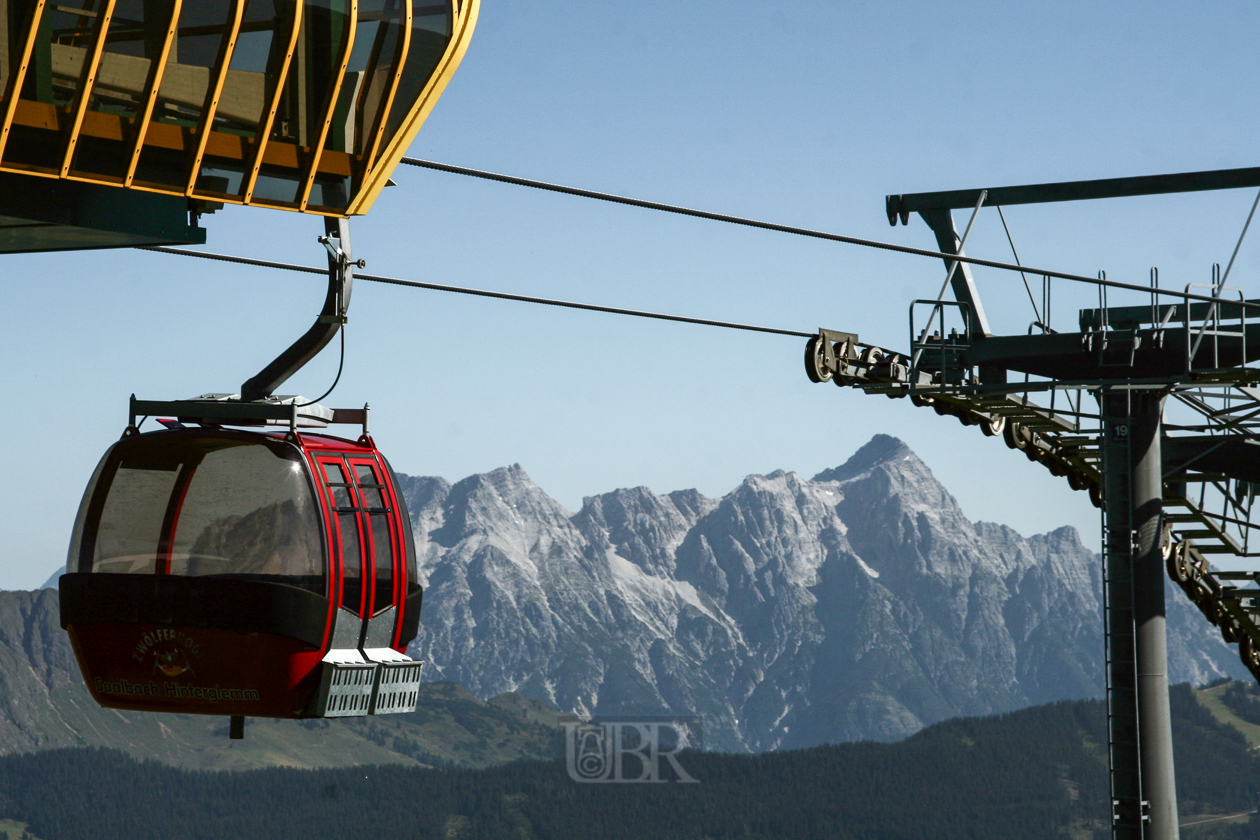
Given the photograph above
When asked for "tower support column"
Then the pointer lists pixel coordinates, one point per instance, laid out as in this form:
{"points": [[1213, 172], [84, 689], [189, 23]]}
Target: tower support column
{"points": [[1143, 790]]}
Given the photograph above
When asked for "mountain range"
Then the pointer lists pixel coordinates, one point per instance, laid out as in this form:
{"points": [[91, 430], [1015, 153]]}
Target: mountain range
{"points": [[859, 604]]}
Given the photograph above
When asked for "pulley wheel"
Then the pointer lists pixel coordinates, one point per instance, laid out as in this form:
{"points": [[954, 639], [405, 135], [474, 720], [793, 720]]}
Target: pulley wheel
{"points": [[1174, 564], [1208, 606], [1182, 564], [816, 360], [1095, 496], [920, 400], [1077, 481], [1247, 652], [1011, 434], [1230, 631], [844, 352], [994, 426], [872, 355]]}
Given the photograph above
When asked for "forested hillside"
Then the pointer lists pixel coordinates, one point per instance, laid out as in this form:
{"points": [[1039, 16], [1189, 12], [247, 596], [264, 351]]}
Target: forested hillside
{"points": [[45, 705], [1036, 773]]}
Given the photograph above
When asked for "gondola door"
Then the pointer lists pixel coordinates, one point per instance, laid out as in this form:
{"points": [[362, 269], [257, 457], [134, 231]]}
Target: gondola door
{"points": [[382, 553], [367, 551]]}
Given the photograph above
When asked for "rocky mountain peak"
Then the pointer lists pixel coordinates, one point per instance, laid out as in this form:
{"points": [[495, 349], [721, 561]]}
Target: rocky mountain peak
{"points": [[879, 450], [640, 526], [790, 612], [503, 505]]}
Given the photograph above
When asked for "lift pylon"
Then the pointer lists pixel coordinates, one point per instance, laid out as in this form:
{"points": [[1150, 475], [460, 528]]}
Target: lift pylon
{"points": [[1171, 455]]}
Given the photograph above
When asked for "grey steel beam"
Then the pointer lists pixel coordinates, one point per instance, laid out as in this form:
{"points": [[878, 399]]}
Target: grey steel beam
{"points": [[1128, 806], [901, 206], [942, 224], [44, 214], [1112, 354], [1128, 316], [1231, 455]]}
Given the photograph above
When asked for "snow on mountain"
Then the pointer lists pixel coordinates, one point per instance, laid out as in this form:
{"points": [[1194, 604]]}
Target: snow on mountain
{"points": [[861, 603]]}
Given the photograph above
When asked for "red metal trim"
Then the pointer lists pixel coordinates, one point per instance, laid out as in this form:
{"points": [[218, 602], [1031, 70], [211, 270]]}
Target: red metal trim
{"points": [[400, 554], [333, 521], [367, 521], [333, 566], [341, 461], [165, 568]]}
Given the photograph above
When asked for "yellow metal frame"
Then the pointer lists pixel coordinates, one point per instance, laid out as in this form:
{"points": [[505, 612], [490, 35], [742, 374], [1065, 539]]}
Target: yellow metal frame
{"points": [[369, 155], [10, 107], [212, 97], [374, 164], [142, 128], [331, 108], [461, 33], [85, 89], [264, 130]]}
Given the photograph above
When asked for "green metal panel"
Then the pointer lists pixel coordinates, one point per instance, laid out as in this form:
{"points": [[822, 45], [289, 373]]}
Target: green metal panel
{"points": [[45, 214]]}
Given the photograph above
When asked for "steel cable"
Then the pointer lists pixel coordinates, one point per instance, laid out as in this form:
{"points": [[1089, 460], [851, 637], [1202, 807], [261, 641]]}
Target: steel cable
{"points": [[797, 231], [461, 290]]}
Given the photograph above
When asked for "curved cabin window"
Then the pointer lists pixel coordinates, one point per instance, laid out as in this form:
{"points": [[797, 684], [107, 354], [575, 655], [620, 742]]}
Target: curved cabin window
{"points": [[202, 507], [130, 524], [248, 512]]}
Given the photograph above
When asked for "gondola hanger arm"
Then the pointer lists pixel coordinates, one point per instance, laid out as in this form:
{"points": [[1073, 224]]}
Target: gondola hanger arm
{"points": [[341, 265]]}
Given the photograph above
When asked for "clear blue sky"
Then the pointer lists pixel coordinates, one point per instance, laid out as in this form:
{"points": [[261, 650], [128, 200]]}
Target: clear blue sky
{"points": [[806, 114]]}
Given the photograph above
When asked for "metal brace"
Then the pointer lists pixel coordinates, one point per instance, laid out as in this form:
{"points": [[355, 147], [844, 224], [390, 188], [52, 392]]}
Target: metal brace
{"points": [[332, 244], [830, 340], [341, 265]]}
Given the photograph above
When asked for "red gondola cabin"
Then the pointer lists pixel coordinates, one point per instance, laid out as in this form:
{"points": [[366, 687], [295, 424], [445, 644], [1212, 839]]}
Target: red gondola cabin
{"points": [[225, 572]]}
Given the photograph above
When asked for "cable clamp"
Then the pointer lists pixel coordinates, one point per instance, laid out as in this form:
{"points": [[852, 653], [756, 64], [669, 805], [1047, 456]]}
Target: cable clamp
{"points": [[333, 245]]}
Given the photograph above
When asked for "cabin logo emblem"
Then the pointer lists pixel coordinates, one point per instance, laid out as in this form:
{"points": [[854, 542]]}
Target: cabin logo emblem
{"points": [[172, 663], [172, 653]]}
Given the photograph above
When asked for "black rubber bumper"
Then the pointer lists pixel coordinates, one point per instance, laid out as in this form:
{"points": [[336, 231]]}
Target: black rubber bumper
{"points": [[239, 605]]}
